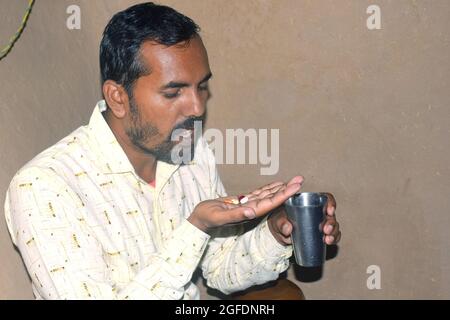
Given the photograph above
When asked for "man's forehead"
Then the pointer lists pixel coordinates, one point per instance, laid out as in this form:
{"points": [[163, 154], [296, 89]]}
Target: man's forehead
{"points": [[186, 59]]}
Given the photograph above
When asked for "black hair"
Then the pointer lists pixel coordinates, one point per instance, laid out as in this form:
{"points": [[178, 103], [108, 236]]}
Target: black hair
{"points": [[127, 30]]}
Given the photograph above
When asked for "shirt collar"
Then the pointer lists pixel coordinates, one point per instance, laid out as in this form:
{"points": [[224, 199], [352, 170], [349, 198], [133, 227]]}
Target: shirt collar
{"points": [[115, 159]]}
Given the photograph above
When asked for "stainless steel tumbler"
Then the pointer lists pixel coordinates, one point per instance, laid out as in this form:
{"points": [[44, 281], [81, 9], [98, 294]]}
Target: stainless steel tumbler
{"points": [[306, 211]]}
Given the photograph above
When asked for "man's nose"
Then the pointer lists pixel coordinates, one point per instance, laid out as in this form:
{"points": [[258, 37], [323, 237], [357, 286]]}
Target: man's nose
{"points": [[195, 107]]}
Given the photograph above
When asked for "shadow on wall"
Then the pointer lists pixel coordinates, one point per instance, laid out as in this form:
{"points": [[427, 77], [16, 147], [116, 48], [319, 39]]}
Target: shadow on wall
{"points": [[302, 274]]}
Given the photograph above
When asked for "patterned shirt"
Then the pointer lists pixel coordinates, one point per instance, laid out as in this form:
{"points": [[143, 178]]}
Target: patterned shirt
{"points": [[88, 227]]}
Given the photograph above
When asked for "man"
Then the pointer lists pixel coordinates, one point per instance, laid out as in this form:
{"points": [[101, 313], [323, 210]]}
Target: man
{"points": [[106, 213]]}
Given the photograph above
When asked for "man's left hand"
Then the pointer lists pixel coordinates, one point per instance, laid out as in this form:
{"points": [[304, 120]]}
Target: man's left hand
{"points": [[281, 228]]}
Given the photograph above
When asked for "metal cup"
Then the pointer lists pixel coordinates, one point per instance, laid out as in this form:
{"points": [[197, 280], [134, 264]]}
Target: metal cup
{"points": [[306, 211]]}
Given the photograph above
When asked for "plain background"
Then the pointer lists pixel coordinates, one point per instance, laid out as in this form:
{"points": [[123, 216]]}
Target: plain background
{"points": [[362, 113]]}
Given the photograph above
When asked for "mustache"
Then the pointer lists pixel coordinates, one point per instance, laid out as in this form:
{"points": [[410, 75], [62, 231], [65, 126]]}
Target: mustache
{"points": [[189, 123]]}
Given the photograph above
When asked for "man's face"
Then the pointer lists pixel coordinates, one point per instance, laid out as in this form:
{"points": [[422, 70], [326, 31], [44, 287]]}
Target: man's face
{"points": [[172, 96]]}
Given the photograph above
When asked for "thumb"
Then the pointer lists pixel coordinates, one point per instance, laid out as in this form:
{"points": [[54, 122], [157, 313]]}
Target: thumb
{"points": [[238, 214], [286, 229]]}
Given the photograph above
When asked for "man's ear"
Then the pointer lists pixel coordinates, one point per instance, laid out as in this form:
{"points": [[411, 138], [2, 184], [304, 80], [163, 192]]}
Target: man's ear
{"points": [[116, 97]]}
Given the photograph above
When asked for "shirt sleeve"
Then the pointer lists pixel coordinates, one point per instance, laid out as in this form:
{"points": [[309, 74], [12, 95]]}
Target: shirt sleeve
{"points": [[234, 259], [65, 261]]}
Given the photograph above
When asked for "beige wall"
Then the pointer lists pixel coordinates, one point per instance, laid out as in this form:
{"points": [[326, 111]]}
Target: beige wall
{"points": [[362, 114]]}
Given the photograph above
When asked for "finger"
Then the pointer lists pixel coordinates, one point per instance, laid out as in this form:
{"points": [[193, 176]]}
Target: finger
{"points": [[329, 240], [264, 194], [263, 206], [333, 239], [271, 192], [234, 215], [286, 240], [329, 226], [286, 229], [278, 188], [331, 204], [277, 184], [268, 186], [275, 189], [326, 221], [336, 230], [283, 225], [272, 185], [282, 239], [251, 197], [296, 179], [331, 211]]}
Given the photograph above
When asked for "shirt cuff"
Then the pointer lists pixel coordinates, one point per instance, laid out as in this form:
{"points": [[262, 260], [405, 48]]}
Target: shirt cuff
{"points": [[186, 246], [270, 247]]}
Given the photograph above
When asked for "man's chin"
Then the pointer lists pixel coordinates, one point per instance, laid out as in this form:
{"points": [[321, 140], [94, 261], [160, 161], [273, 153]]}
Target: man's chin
{"points": [[181, 154]]}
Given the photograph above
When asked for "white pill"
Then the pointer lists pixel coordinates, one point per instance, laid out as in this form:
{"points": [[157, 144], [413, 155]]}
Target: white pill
{"points": [[244, 200]]}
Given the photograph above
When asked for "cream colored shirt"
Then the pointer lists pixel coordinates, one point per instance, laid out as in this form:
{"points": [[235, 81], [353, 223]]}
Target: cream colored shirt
{"points": [[88, 227]]}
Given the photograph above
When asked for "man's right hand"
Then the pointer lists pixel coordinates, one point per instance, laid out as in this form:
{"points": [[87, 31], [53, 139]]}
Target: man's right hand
{"points": [[215, 213]]}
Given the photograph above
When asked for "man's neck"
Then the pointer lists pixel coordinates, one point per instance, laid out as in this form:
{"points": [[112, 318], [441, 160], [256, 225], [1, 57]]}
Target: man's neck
{"points": [[144, 164]]}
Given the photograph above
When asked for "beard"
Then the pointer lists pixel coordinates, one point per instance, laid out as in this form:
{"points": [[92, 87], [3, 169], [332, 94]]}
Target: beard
{"points": [[141, 133]]}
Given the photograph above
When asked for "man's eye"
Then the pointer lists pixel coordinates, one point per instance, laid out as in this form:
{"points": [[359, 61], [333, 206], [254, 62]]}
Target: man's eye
{"points": [[170, 95], [203, 87]]}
